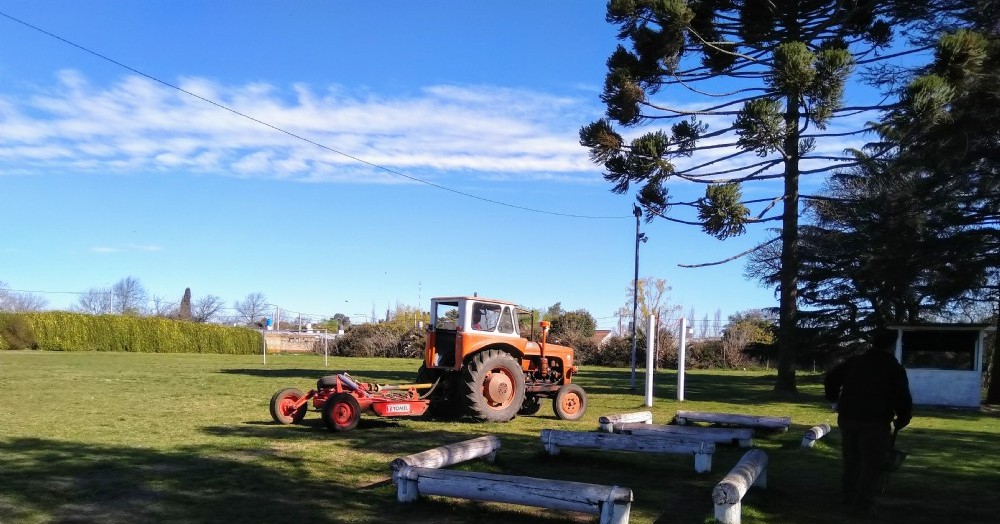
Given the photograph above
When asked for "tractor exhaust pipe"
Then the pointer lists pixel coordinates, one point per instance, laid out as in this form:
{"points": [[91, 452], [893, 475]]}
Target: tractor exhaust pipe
{"points": [[544, 364]]}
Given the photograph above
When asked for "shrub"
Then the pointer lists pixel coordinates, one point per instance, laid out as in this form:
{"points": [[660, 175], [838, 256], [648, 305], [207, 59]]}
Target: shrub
{"points": [[705, 354], [616, 352], [62, 331], [381, 340], [583, 346], [15, 333]]}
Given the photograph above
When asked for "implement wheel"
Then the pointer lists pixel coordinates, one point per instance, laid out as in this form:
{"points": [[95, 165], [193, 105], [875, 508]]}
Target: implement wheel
{"points": [[493, 383], [283, 406], [570, 402], [341, 412]]}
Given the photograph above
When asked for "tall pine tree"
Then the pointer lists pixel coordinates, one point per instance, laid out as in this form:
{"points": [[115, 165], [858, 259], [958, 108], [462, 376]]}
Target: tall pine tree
{"points": [[776, 71]]}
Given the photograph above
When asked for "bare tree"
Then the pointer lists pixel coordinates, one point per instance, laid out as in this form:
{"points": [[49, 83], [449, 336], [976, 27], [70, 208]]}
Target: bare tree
{"points": [[717, 324], [703, 331], [161, 307], [95, 301], [654, 298], [16, 302], [736, 339], [251, 308], [128, 297], [206, 308]]}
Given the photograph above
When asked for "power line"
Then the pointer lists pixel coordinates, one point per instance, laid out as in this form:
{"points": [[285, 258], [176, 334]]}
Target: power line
{"points": [[296, 136]]}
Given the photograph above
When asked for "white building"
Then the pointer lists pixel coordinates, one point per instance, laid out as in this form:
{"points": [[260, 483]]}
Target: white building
{"points": [[944, 362]]}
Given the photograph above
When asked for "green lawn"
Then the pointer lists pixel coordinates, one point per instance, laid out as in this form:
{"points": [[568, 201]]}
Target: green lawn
{"points": [[121, 437]]}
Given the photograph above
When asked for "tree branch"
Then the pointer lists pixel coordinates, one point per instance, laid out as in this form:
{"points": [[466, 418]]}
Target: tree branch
{"points": [[734, 257]]}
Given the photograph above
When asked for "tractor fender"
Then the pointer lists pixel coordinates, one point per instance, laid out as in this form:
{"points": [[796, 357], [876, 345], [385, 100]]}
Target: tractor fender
{"points": [[506, 348]]}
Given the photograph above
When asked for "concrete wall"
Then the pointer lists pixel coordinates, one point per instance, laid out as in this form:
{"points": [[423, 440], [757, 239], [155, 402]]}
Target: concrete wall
{"points": [[293, 342], [945, 387], [939, 387]]}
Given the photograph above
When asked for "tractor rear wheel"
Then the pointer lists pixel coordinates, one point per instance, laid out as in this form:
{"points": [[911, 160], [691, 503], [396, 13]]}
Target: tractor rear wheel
{"points": [[570, 402], [341, 412], [494, 386], [283, 406]]}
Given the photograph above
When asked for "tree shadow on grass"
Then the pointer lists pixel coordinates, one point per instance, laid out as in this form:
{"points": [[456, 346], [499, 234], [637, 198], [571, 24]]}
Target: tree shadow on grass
{"points": [[312, 375], [75, 482], [733, 387], [66, 482]]}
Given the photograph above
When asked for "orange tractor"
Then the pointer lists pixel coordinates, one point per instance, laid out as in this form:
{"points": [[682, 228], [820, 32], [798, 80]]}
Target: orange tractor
{"points": [[475, 363], [482, 366]]}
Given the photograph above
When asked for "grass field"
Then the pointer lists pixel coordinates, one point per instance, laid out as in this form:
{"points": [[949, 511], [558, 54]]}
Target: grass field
{"points": [[121, 437]]}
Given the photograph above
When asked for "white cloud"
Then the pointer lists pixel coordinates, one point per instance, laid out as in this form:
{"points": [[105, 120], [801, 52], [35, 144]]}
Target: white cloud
{"points": [[138, 125], [145, 248]]}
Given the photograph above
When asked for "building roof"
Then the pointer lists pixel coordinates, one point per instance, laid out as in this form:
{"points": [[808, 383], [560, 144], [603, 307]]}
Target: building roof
{"points": [[600, 335], [943, 326]]}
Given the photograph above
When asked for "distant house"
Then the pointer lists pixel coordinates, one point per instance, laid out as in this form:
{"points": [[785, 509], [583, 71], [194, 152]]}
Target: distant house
{"points": [[601, 336], [944, 362]]}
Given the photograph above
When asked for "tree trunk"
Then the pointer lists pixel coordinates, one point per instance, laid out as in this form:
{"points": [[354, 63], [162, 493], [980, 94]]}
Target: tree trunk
{"points": [[788, 300], [993, 388]]}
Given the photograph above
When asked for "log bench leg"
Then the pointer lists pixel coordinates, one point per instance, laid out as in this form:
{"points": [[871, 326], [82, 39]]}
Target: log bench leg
{"points": [[702, 462], [613, 512]]}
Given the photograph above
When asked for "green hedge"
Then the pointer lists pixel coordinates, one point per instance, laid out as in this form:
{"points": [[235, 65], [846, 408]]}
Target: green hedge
{"points": [[61, 331]]}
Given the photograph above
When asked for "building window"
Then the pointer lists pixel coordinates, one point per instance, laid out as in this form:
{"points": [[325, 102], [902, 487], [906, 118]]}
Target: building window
{"points": [[954, 350]]}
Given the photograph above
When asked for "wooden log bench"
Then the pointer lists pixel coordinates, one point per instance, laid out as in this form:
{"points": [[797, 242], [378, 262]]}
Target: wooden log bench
{"points": [[554, 440], [734, 419], [813, 434], [743, 437], [728, 494], [450, 454], [612, 503], [607, 422]]}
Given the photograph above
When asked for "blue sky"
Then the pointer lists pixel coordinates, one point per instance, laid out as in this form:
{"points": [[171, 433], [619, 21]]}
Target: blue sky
{"points": [[108, 174]]}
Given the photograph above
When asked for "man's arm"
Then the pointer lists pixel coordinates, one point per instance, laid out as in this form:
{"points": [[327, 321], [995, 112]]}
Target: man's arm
{"points": [[903, 405]]}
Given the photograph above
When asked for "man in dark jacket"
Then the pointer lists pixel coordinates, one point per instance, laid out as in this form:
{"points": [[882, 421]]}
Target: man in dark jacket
{"points": [[870, 390]]}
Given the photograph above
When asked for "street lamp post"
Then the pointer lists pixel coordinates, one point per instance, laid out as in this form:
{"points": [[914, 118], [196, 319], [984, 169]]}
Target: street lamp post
{"points": [[635, 285]]}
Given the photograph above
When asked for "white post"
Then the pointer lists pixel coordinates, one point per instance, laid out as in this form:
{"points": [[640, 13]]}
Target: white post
{"points": [[650, 353], [263, 345], [326, 350], [681, 360]]}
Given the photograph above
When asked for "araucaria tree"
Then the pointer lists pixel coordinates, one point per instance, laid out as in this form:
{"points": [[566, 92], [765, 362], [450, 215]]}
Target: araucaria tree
{"points": [[752, 90]]}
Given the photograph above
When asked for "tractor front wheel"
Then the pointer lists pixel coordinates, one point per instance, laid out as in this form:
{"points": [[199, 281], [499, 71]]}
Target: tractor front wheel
{"points": [[341, 412], [494, 386], [283, 406], [570, 402]]}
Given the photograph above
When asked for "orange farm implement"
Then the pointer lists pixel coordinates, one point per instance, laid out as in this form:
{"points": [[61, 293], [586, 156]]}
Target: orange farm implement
{"points": [[341, 401]]}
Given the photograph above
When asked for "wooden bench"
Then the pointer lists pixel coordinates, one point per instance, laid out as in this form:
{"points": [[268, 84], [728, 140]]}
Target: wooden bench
{"points": [[813, 434], [554, 439], [734, 419], [751, 470], [743, 437], [607, 422], [444, 456], [612, 503]]}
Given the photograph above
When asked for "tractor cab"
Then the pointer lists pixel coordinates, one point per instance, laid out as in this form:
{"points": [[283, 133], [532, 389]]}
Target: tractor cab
{"points": [[458, 321]]}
